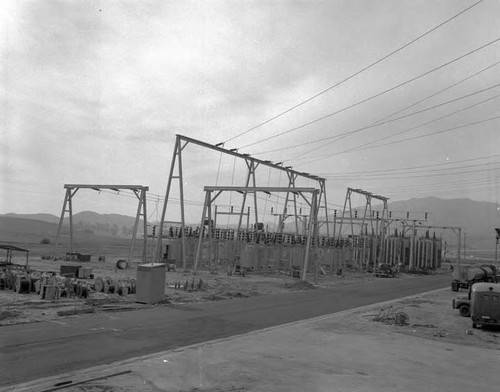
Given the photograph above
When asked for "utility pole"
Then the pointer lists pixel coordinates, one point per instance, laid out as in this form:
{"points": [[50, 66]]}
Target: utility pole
{"points": [[459, 249], [496, 244], [496, 250], [465, 242], [412, 248]]}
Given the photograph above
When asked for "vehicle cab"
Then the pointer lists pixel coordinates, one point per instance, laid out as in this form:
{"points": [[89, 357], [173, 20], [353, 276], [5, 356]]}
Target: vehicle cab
{"points": [[485, 304]]}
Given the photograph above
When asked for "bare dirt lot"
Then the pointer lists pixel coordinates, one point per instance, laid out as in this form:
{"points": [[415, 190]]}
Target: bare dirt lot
{"points": [[181, 287], [428, 316]]}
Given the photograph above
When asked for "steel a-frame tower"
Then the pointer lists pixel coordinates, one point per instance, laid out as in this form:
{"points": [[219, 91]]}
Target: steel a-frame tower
{"points": [[176, 174], [140, 193], [312, 231], [380, 220]]}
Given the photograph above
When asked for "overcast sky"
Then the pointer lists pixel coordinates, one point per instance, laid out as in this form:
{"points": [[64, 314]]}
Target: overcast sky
{"points": [[94, 92]]}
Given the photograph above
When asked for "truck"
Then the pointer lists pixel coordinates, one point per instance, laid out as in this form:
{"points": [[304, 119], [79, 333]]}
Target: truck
{"points": [[485, 304], [465, 276], [385, 271], [462, 303]]}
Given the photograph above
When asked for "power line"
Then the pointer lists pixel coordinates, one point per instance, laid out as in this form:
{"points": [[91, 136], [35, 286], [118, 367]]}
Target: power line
{"points": [[441, 131], [443, 183], [401, 171], [413, 167], [440, 185], [373, 96], [372, 144], [378, 123], [470, 188], [440, 91], [356, 73], [407, 176]]}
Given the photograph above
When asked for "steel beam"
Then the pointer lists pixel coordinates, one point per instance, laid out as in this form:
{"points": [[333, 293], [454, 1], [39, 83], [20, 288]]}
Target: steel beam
{"points": [[247, 157]]}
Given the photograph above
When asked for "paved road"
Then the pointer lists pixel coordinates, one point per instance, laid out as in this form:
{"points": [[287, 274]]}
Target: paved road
{"points": [[32, 351]]}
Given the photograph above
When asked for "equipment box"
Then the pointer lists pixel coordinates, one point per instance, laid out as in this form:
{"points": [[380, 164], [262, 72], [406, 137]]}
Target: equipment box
{"points": [[69, 270], [84, 272], [150, 284]]}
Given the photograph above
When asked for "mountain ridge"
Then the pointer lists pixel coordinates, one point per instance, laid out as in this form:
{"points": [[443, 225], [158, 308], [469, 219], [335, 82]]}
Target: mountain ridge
{"points": [[476, 218]]}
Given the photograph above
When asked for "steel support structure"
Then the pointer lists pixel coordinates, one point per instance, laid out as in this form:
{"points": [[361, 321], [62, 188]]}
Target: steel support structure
{"points": [[207, 213], [139, 191], [367, 215], [176, 173]]}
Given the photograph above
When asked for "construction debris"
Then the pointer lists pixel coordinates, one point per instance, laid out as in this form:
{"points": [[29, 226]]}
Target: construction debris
{"points": [[390, 316], [52, 286]]}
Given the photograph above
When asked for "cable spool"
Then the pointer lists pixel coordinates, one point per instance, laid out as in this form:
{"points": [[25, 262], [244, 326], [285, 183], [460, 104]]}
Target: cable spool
{"points": [[123, 288], [106, 285], [109, 285], [71, 287], [33, 282], [84, 291], [22, 284], [121, 264], [78, 291], [8, 280], [98, 284]]}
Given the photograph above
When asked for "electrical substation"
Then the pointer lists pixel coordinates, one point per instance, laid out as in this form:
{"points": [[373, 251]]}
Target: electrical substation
{"points": [[308, 237], [305, 240]]}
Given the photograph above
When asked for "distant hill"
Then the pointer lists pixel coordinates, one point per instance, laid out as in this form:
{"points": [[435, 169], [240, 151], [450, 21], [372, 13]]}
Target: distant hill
{"points": [[477, 219], [112, 225], [39, 217], [31, 234], [107, 225], [25, 230]]}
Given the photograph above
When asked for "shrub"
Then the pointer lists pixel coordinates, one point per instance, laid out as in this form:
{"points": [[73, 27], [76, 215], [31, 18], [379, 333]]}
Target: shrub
{"points": [[45, 241]]}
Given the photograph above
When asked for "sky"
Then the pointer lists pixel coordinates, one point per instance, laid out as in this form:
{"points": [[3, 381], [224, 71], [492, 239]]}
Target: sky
{"points": [[95, 92]]}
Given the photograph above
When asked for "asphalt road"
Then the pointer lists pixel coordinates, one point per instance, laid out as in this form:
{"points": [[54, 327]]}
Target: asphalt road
{"points": [[32, 351]]}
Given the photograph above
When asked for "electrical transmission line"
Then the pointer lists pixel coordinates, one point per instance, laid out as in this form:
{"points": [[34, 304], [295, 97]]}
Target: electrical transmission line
{"points": [[374, 96], [356, 73]]}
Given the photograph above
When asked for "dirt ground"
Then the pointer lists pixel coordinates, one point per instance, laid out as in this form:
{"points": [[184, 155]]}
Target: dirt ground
{"points": [[362, 350], [429, 316], [26, 308]]}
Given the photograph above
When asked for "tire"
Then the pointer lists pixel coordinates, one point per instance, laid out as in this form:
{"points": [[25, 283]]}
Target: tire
{"points": [[474, 325], [464, 310]]}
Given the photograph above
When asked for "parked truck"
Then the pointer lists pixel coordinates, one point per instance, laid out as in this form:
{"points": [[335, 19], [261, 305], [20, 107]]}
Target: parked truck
{"points": [[485, 304], [385, 270], [465, 276], [462, 303]]}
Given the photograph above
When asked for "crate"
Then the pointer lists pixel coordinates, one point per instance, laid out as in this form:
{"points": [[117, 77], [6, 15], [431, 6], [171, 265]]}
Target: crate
{"points": [[69, 269], [84, 272]]}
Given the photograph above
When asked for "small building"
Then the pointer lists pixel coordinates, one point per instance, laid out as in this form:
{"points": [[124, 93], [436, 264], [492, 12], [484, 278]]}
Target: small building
{"points": [[10, 250]]}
